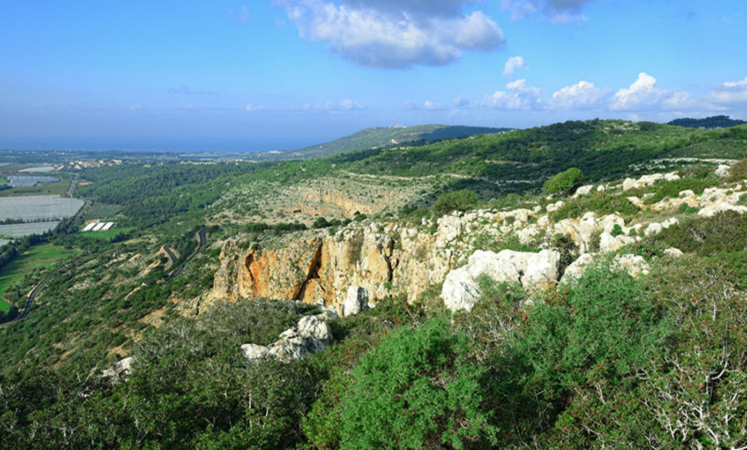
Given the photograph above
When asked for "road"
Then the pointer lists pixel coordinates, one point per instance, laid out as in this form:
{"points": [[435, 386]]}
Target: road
{"points": [[201, 242], [29, 300]]}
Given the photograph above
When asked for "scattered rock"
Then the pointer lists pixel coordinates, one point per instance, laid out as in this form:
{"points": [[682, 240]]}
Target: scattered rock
{"points": [[633, 264], [686, 193], [673, 253], [583, 190], [722, 170], [120, 370], [310, 336], [535, 272], [577, 268]]}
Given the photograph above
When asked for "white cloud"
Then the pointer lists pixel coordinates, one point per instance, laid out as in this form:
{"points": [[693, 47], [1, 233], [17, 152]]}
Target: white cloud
{"points": [[431, 106], [395, 34], [518, 95], [730, 93], [344, 105], [350, 105], [559, 11], [643, 94], [135, 108], [253, 108], [582, 95], [513, 63]]}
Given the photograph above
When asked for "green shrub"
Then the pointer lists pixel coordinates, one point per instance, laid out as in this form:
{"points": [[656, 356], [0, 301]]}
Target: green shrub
{"points": [[617, 230], [699, 170], [417, 390], [600, 203], [673, 188], [723, 233], [454, 201], [738, 172], [564, 182]]}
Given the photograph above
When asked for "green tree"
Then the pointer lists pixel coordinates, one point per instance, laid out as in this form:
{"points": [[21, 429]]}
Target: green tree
{"points": [[454, 201], [564, 182]]}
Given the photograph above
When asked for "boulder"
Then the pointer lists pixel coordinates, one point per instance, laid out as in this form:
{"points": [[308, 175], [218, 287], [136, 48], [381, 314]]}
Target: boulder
{"points": [[254, 352], [673, 253], [355, 302], [722, 170], [535, 272], [609, 243], [120, 370], [686, 193], [552, 207], [310, 327], [577, 268], [633, 264], [583, 190]]}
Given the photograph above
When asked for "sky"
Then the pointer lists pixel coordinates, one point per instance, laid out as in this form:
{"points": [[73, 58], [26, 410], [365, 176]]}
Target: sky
{"points": [[283, 74]]}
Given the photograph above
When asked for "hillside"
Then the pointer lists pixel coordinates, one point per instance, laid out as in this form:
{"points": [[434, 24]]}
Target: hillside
{"points": [[707, 122], [280, 304], [378, 137]]}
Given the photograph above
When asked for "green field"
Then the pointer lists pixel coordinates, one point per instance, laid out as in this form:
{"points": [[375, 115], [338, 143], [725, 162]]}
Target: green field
{"points": [[57, 188], [35, 258], [104, 235]]}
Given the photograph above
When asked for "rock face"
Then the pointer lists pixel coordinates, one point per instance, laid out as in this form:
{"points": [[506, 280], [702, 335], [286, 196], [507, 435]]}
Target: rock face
{"points": [[355, 302], [310, 336], [535, 272], [633, 264]]}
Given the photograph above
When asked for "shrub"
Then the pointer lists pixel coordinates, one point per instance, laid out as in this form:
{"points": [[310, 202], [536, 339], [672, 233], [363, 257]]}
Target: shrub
{"points": [[564, 182], [600, 203], [699, 170], [738, 172], [673, 188], [617, 230], [454, 201], [684, 208], [417, 390], [723, 233]]}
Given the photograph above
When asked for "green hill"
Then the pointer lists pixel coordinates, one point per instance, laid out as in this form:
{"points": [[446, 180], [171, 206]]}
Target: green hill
{"points": [[708, 122], [377, 137]]}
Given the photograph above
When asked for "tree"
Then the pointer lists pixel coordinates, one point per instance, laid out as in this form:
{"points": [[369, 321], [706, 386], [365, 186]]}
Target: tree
{"points": [[564, 182], [454, 201]]}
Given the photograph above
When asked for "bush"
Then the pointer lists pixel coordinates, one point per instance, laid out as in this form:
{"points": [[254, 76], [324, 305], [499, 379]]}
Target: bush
{"points": [[600, 203], [454, 201], [673, 188], [738, 172], [417, 390], [699, 170], [723, 233], [564, 182]]}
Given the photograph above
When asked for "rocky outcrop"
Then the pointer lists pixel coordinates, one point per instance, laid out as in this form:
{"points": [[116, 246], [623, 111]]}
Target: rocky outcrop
{"points": [[633, 264], [120, 370], [310, 336], [355, 302], [535, 271]]}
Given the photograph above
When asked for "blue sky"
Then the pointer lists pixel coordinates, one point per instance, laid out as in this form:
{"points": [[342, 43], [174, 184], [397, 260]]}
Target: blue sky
{"points": [[283, 74]]}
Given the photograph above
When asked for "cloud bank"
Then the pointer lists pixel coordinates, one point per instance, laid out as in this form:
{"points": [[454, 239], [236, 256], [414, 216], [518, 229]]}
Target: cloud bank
{"points": [[395, 34]]}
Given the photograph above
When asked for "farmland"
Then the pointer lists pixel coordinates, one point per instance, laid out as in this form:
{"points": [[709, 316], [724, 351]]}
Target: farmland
{"points": [[41, 207], [25, 229], [101, 211], [38, 257]]}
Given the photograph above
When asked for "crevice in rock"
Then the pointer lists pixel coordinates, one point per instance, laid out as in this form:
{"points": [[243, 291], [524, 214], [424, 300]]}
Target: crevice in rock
{"points": [[248, 261], [313, 272]]}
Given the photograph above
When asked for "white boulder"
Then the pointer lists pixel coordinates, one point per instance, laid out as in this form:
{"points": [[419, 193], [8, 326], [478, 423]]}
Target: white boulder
{"points": [[535, 272], [355, 302]]}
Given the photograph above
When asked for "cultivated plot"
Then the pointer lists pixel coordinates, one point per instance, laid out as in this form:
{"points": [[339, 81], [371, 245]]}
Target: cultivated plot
{"points": [[26, 229], [38, 207]]}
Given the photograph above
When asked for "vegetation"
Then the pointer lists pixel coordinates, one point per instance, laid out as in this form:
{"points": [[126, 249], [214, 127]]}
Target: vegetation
{"points": [[708, 122], [565, 182]]}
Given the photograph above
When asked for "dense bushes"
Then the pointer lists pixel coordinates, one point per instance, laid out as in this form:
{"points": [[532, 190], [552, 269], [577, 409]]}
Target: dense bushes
{"points": [[454, 201], [565, 182], [600, 203]]}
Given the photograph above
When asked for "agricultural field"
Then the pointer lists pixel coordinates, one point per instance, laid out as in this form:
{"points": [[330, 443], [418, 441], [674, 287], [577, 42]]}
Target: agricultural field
{"points": [[3, 242], [38, 257], [29, 180], [41, 207], [105, 235], [102, 212], [26, 229], [38, 169]]}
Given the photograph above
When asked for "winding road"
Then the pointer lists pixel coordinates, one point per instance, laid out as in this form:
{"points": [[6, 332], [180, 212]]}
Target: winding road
{"points": [[29, 300], [201, 242]]}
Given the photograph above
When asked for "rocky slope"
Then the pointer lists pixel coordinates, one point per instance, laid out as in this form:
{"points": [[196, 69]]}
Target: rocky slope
{"points": [[399, 257]]}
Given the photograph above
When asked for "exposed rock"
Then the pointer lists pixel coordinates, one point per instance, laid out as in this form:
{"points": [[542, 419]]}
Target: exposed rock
{"points": [[633, 264], [120, 370], [686, 193], [552, 207], [355, 302], [609, 243], [723, 170], [720, 206], [577, 268], [310, 336], [673, 253], [535, 272], [653, 228], [648, 180], [253, 351], [583, 190]]}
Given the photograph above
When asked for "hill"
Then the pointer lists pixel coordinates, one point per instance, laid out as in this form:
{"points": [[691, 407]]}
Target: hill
{"points": [[708, 122], [190, 286], [378, 137]]}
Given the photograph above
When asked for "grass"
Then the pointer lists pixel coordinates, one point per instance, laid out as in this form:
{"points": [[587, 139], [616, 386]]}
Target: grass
{"points": [[104, 235], [40, 256]]}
